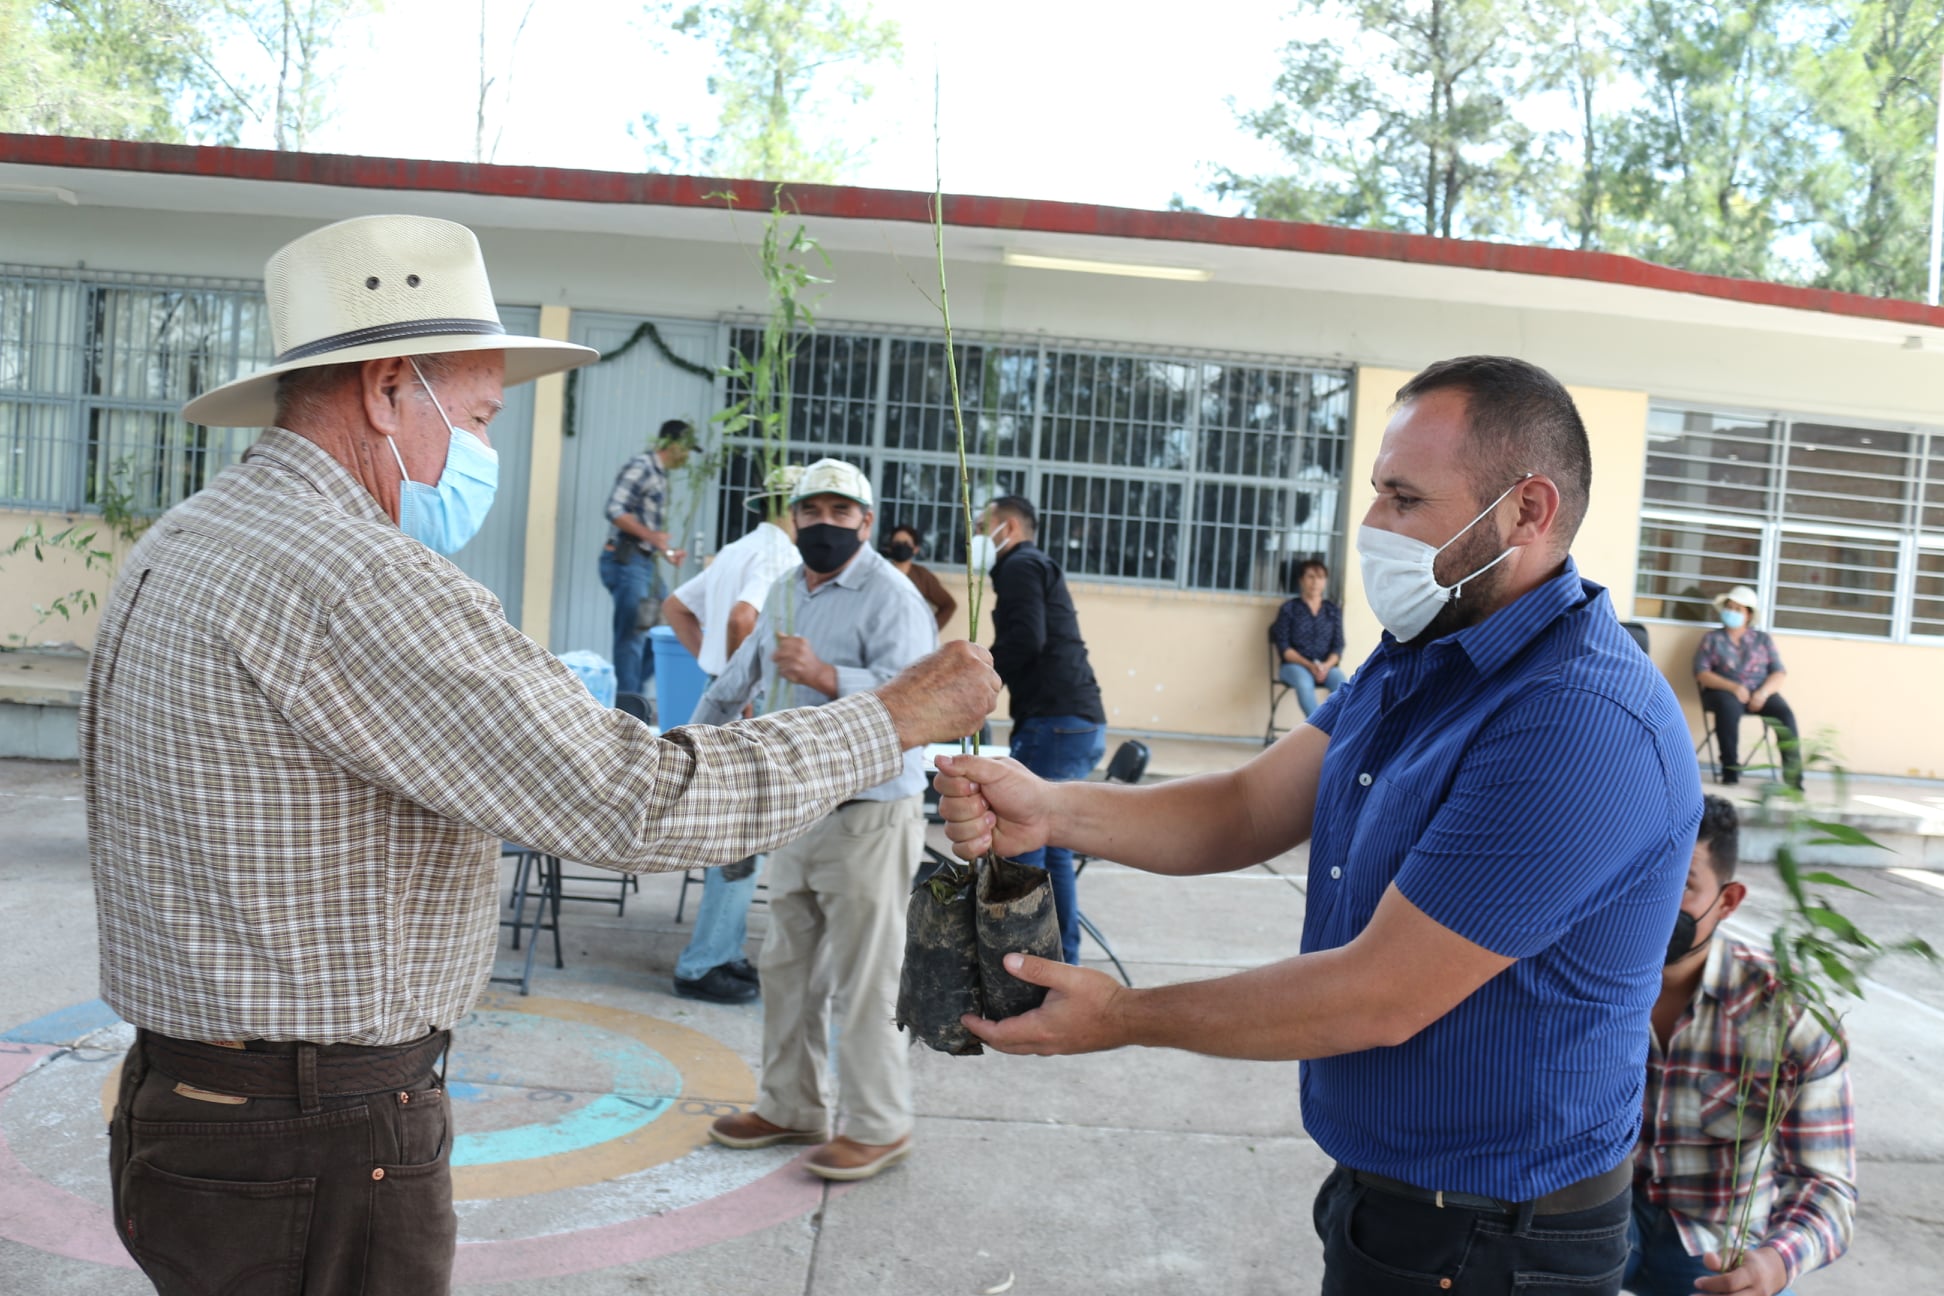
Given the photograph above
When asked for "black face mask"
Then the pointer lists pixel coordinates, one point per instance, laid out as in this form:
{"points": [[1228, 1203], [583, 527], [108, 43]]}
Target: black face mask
{"points": [[900, 551], [826, 548], [1682, 942]]}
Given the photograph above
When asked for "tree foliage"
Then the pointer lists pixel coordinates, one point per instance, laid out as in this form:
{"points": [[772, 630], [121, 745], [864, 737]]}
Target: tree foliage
{"points": [[201, 71], [1786, 139], [779, 64]]}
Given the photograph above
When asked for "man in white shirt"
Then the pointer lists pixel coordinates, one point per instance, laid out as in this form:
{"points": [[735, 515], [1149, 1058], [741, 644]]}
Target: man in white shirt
{"points": [[712, 614]]}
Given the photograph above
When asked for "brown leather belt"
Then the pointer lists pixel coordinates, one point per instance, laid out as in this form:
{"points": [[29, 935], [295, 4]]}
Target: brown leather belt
{"points": [[1584, 1195], [287, 1069]]}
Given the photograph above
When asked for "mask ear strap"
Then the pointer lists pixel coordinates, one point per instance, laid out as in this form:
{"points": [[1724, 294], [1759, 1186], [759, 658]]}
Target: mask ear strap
{"points": [[402, 474]]}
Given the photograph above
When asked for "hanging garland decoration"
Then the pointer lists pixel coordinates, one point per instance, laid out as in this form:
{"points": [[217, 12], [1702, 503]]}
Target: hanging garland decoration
{"points": [[646, 329]]}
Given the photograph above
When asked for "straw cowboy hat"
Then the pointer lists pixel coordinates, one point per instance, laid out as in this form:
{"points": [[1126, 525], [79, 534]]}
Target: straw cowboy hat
{"points": [[779, 483], [369, 289], [1740, 594]]}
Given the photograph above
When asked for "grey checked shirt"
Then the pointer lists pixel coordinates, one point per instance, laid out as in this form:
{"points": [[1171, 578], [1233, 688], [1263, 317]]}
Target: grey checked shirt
{"points": [[870, 623], [305, 734]]}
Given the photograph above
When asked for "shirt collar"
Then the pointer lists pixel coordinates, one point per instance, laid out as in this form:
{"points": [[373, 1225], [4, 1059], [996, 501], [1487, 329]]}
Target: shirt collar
{"points": [[321, 469], [1503, 635]]}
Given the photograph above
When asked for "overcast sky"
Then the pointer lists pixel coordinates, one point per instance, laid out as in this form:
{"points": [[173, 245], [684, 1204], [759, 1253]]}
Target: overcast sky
{"points": [[1077, 100]]}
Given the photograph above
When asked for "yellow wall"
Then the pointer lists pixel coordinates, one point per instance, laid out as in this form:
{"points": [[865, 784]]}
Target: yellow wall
{"points": [[543, 487], [25, 582]]}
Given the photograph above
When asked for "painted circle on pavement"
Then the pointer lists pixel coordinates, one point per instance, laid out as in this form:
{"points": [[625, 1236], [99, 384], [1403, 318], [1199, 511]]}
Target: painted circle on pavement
{"points": [[600, 1112]]}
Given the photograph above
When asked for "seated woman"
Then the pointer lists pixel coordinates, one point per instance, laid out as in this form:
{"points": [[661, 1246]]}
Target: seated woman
{"points": [[1740, 673], [1308, 637]]}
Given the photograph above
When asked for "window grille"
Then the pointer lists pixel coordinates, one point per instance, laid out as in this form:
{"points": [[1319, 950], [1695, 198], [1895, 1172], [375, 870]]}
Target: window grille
{"points": [[1837, 526], [93, 369], [1180, 470]]}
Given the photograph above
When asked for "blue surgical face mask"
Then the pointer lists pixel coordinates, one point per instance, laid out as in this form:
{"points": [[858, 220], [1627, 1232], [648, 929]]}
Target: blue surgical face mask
{"points": [[1732, 619], [444, 517]]}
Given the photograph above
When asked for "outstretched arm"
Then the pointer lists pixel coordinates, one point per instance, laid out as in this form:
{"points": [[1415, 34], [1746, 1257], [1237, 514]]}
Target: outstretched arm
{"points": [[1213, 823]]}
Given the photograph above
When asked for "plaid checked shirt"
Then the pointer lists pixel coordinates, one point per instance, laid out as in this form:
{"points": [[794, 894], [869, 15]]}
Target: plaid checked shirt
{"points": [[1805, 1188], [305, 734], [641, 488]]}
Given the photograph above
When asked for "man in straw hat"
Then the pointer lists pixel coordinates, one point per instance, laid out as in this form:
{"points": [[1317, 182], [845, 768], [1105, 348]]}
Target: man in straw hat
{"points": [[305, 732], [712, 614], [1741, 673]]}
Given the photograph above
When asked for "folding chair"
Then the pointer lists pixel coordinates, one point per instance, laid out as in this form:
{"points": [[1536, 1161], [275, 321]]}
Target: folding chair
{"points": [[1278, 690], [1764, 745], [536, 877]]}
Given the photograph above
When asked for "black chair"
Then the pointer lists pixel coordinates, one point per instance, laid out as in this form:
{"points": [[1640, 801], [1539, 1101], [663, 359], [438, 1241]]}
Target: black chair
{"points": [[1278, 690], [1639, 633], [536, 878], [1709, 744], [636, 705], [1129, 765]]}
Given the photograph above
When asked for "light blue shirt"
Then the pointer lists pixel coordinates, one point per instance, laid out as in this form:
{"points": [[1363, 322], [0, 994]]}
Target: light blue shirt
{"points": [[870, 622]]}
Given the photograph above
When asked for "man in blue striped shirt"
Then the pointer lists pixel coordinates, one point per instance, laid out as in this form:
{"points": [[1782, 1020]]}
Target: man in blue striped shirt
{"points": [[1500, 807]]}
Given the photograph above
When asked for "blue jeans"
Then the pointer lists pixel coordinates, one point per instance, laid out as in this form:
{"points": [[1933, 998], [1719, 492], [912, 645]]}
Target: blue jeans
{"points": [[631, 579], [1299, 678], [721, 923], [1059, 749], [1657, 1263]]}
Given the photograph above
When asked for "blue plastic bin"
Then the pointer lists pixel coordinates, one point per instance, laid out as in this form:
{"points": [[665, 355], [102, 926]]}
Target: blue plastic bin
{"points": [[595, 671], [679, 682]]}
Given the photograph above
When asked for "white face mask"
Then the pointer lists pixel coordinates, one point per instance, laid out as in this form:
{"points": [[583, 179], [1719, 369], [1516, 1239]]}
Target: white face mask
{"points": [[985, 552], [1400, 574]]}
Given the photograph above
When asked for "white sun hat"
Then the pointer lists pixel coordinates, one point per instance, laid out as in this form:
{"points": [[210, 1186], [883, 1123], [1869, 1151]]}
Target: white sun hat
{"points": [[1741, 594], [369, 289], [832, 477], [778, 483]]}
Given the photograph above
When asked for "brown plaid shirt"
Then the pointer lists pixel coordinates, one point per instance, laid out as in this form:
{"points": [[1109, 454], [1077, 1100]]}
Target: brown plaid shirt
{"points": [[305, 733]]}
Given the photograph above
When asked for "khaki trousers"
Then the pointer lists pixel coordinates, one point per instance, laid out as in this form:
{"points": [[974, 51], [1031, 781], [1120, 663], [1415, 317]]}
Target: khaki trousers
{"points": [[836, 946]]}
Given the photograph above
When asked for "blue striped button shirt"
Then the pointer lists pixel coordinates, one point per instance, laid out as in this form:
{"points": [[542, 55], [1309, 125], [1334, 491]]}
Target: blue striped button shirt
{"points": [[1527, 783]]}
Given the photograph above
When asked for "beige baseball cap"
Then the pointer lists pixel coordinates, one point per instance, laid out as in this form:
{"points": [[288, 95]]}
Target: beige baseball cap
{"points": [[833, 477]]}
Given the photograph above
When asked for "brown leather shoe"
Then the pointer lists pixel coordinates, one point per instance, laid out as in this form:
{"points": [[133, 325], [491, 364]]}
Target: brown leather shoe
{"points": [[746, 1130], [846, 1158]]}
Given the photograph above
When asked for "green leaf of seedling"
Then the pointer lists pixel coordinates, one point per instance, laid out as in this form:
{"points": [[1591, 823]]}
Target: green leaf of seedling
{"points": [[1921, 948], [1840, 834], [1830, 879], [1829, 920], [1838, 971]]}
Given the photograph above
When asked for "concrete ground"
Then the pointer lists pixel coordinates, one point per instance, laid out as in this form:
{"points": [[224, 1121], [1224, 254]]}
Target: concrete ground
{"points": [[582, 1167]]}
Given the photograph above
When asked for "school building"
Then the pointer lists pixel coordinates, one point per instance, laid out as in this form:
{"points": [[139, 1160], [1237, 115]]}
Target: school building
{"points": [[1193, 401]]}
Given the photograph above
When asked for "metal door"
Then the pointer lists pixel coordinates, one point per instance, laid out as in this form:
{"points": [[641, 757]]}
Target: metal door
{"points": [[618, 407]]}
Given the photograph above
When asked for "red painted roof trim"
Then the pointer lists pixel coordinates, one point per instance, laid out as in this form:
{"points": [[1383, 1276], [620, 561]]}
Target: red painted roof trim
{"points": [[846, 202]]}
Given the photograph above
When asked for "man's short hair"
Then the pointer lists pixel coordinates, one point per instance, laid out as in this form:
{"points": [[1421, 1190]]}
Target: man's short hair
{"points": [[1303, 569], [1721, 834], [1020, 507], [1519, 419], [302, 394], [675, 432]]}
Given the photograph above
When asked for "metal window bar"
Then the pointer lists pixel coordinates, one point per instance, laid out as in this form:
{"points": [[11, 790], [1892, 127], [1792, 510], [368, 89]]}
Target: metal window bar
{"points": [[101, 364], [1106, 441], [1848, 512]]}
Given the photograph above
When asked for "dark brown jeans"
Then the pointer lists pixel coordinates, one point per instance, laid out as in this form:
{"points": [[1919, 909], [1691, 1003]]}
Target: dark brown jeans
{"points": [[352, 1197]]}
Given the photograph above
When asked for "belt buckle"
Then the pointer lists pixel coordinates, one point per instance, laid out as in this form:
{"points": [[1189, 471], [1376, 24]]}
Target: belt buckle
{"points": [[1438, 1196]]}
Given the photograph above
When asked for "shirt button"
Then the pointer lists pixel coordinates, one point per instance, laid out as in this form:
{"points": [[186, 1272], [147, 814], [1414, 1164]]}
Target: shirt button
{"points": [[1335, 872], [379, 1173], [1364, 779]]}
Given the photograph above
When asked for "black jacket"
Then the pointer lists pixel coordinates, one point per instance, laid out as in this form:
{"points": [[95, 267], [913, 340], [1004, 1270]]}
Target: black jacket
{"points": [[1036, 644]]}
